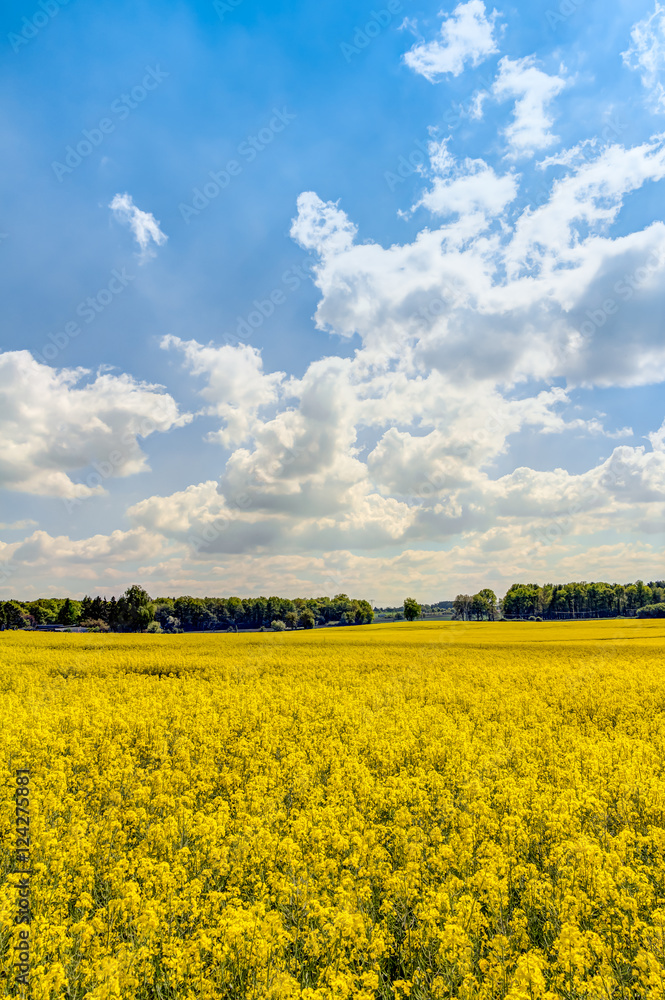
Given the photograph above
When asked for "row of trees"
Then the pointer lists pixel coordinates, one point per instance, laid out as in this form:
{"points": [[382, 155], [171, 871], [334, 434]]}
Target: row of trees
{"points": [[482, 606], [581, 600], [136, 611], [569, 600]]}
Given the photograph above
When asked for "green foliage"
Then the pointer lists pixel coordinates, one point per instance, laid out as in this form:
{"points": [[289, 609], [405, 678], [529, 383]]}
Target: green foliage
{"points": [[278, 626], [572, 600], [652, 611], [135, 610], [412, 609], [307, 619], [95, 625], [13, 616], [291, 619], [68, 614]]}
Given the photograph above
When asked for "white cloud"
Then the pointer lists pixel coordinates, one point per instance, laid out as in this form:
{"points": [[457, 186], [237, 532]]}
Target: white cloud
{"points": [[533, 520], [646, 53], [587, 200], [143, 225], [385, 472], [51, 425], [322, 225], [468, 188], [42, 549], [534, 90], [548, 293], [543, 524], [236, 388], [657, 438], [467, 36]]}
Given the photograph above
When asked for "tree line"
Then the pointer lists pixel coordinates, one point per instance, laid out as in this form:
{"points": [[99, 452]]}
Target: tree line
{"points": [[567, 600], [136, 611]]}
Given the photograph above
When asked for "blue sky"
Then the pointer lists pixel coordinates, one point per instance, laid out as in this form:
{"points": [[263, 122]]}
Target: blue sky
{"points": [[441, 229]]}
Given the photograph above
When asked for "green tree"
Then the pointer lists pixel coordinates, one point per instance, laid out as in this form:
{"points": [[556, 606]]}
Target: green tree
{"points": [[462, 607], [364, 613], [135, 610], [291, 619], [86, 608], [479, 607], [652, 611], [39, 613], [14, 616], [307, 619], [235, 609], [412, 609], [489, 598], [342, 609], [68, 614]]}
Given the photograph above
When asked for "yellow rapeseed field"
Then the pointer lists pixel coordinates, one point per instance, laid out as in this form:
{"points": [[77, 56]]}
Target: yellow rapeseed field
{"points": [[426, 811]]}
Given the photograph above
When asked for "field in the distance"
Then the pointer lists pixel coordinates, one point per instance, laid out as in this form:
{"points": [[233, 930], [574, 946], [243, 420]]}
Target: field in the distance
{"points": [[430, 810]]}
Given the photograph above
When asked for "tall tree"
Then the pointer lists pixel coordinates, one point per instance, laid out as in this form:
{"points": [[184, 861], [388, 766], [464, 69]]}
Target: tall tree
{"points": [[462, 606], [412, 609], [68, 614], [489, 598], [307, 618], [291, 619], [135, 610]]}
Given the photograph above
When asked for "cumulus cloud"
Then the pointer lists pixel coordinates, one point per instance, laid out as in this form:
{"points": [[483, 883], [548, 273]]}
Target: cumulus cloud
{"points": [[458, 508], [54, 423], [398, 468], [466, 188], [236, 386], [657, 438], [143, 225], [466, 37], [550, 293], [646, 54], [535, 91], [395, 446]]}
